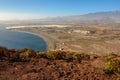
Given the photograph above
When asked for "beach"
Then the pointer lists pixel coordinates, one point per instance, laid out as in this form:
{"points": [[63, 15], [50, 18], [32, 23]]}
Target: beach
{"points": [[51, 42]]}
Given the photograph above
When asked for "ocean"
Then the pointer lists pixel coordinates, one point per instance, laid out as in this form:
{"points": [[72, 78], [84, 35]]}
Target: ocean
{"points": [[20, 40]]}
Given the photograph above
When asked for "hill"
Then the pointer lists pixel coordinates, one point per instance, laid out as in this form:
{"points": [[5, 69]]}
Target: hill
{"points": [[27, 64]]}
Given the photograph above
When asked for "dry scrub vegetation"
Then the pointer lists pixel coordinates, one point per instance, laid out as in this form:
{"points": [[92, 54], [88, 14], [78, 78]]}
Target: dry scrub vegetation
{"points": [[27, 64]]}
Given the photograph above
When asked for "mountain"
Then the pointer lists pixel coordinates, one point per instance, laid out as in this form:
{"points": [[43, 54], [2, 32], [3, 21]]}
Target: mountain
{"points": [[109, 17], [98, 17]]}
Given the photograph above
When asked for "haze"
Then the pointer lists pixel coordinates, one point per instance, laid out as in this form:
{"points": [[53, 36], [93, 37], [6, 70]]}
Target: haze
{"points": [[36, 9]]}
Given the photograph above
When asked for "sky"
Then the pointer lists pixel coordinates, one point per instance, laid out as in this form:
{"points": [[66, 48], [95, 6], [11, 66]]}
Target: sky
{"points": [[35, 9]]}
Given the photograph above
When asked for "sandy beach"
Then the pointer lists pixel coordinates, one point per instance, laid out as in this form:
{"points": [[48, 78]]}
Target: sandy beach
{"points": [[51, 42]]}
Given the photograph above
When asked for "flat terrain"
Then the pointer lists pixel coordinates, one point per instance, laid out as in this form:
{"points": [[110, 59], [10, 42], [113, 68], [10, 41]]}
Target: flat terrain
{"points": [[91, 40]]}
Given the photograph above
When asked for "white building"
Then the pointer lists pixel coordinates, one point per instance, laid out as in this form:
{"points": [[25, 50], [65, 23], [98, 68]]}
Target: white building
{"points": [[81, 31]]}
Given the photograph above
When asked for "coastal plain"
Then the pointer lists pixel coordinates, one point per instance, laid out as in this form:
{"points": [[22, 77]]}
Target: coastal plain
{"points": [[100, 40]]}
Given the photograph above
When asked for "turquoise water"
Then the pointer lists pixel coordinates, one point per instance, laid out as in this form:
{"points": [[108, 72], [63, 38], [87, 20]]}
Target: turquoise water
{"points": [[20, 40]]}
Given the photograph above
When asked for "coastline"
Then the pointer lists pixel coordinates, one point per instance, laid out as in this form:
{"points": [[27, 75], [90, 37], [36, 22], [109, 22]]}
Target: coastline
{"points": [[50, 42]]}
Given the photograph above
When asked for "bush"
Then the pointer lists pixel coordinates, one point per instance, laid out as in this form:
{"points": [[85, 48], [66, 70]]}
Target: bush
{"points": [[110, 56], [77, 57], [27, 54], [40, 54], [112, 65], [3, 52], [51, 55], [67, 56]]}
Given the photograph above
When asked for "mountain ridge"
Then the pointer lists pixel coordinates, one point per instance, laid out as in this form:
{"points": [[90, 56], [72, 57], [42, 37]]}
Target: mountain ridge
{"points": [[105, 17], [110, 16]]}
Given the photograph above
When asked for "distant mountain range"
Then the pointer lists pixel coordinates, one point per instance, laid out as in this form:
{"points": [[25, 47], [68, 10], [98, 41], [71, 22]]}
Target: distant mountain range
{"points": [[91, 18], [99, 17]]}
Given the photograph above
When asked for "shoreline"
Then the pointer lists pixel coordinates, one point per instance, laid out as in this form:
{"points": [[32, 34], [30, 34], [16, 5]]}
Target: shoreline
{"points": [[50, 42]]}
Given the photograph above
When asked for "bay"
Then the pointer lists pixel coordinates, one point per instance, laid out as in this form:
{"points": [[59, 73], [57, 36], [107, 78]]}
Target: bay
{"points": [[20, 40]]}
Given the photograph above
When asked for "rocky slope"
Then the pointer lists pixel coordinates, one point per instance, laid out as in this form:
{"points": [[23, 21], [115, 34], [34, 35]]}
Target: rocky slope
{"points": [[27, 64]]}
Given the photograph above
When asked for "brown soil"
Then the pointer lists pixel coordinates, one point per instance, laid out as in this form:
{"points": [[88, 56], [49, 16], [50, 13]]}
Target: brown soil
{"points": [[15, 66]]}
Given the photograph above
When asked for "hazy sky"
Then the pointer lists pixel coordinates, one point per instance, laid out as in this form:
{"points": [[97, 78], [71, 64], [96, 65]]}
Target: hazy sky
{"points": [[32, 9]]}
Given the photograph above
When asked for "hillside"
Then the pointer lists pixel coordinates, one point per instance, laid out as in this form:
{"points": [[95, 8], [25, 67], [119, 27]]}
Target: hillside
{"points": [[27, 64]]}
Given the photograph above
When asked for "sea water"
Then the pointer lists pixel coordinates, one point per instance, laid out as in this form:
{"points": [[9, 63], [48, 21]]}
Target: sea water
{"points": [[21, 40]]}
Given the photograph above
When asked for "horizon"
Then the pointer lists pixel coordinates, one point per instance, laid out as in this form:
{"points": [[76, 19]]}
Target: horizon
{"points": [[38, 9]]}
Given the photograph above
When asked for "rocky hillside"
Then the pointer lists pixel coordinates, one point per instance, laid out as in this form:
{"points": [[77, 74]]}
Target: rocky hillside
{"points": [[27, 64]]}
